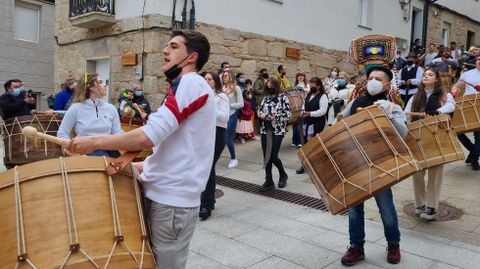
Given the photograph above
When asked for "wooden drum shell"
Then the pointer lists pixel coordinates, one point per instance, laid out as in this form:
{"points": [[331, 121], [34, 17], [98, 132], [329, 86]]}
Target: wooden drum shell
{"points": [[45, 218], [466, 117], [433, 142], [295, 100], [132, 124], [355, 158]]}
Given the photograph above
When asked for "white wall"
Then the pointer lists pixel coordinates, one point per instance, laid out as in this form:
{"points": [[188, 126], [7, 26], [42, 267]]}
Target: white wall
{"points": [[471, 8], [327, 23]]}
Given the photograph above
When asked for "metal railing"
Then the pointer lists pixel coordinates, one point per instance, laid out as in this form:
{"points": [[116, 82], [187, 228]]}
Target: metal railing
{"points": [[80, 7]]}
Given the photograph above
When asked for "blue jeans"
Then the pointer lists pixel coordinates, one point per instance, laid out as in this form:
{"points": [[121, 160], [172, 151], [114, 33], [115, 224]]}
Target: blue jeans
{"points": [[474, 148], [388, 213], [296, 134], [106, 153], [231, 127]]}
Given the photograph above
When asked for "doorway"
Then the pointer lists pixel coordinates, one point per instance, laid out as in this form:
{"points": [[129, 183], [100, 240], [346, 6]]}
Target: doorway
{"points": [[102, 68]]}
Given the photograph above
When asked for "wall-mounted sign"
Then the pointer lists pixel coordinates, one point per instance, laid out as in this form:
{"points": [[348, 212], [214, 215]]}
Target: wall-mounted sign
{"points": [[129, 58], [294, 53]]}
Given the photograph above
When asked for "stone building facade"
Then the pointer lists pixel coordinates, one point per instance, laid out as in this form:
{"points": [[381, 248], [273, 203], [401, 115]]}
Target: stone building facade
{"points": [[446, 25], [246, 52]]}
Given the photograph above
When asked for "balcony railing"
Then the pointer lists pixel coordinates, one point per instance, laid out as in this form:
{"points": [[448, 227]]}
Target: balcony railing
{"points": [[80, 7], [92, 13]]}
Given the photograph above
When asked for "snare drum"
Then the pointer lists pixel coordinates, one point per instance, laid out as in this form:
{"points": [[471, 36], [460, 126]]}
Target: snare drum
{"points": [[466, 117], [67, 213], [433, 142], [21, 150], [356, 158]]}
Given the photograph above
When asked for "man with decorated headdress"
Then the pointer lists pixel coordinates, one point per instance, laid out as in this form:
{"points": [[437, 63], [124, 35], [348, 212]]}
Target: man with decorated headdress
{"points": [[374, 51]]}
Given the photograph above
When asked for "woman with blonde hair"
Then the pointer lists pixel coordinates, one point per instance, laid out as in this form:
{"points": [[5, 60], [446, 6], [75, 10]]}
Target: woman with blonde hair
{"points": [[234, 94], [89, 115]]}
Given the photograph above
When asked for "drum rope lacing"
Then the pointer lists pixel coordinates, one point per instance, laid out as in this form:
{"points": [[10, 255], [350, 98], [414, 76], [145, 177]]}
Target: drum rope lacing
{"points": [[474, 107], [116, 222], [22, 255], [140, 214], [71, 221]]}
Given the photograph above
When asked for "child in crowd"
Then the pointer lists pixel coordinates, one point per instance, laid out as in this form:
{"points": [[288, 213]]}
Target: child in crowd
{"points": [[245, 124]]}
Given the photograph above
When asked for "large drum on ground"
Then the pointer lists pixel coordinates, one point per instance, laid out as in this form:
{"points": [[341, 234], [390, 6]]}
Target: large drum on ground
{"points": [[433, 142], [67, 213], [356, 158], [21, 150], [131, 124], [295, 98], [466, 117]]}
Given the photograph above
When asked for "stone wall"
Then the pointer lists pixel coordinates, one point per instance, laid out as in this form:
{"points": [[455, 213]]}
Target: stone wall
{"points": [[246, 52], [459, 27]]}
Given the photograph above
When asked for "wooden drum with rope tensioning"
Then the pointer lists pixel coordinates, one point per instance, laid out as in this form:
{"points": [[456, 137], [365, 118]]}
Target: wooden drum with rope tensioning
{"points": [[67, 213], [356, 158]]}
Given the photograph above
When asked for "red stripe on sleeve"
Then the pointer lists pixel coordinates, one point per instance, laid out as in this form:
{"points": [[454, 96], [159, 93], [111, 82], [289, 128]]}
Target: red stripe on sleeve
{"points": [[172, 105]]}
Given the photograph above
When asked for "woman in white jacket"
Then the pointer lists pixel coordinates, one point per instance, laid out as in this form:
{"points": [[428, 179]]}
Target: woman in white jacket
{"points": [[430, 99], [222, 110], [234, 94]]}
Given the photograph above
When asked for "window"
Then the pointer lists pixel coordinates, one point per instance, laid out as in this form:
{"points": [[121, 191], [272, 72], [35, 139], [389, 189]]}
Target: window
{"points": [[27, 22], [446, 33], [365, 13], [470, 39]]}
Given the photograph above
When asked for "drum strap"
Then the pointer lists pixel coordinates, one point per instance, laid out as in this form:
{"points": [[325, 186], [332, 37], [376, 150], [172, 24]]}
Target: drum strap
{"points": [[121, 162]]}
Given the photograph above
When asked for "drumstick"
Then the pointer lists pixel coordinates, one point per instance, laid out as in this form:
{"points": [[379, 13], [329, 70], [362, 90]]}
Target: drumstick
{"points": [[31, 132], [418, 114]]}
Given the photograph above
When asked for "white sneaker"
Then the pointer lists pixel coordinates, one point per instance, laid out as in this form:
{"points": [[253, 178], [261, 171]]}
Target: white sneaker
{"points": [[299, 146], [293, 145], [243, 141], [256, 138], [232, 163]]}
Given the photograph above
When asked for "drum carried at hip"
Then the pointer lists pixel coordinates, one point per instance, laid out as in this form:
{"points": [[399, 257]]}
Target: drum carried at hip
{"points": [[21, 150], [67, 213], [295, 99], [433, 142], [356, 158], [466, 117]]}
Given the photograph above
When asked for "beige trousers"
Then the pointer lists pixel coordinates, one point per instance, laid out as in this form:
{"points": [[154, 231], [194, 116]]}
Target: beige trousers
{"points": [[428, 195]]}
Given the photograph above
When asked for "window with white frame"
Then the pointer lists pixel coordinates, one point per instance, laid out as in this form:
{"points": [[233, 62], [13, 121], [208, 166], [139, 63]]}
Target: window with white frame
{"points": [[27, 21], [446, 33], [365, 13]]}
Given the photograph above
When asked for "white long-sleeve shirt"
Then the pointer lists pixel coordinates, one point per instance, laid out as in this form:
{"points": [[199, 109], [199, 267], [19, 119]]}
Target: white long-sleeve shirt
{"points": [[414, 81], [222, 109], [183, 134], [236, 100], [89, 118], [323, 104], [448, 107]]}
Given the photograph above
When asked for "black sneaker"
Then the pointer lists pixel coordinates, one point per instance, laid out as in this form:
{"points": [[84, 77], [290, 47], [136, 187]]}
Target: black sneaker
{"points": [[267, 186], [429, 213], [475, 165], [204, 213], [469, 159], [419, 210]]}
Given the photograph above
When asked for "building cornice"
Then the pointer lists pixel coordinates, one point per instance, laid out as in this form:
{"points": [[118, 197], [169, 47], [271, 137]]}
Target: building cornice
{"points": [[444, 8]]}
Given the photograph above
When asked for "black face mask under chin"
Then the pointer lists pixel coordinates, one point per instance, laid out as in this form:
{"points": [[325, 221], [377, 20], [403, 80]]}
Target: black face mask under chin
{"points": [[174, 71]]}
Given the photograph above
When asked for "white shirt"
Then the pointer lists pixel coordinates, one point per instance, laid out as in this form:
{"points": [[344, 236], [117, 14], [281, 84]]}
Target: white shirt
{"points": [[414, 81], [88, 119], [323, 105], [222, 109], [183, 134], [472, 77], [448, 107]]}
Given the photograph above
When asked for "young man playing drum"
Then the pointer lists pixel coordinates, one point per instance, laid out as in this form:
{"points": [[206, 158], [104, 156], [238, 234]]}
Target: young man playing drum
{"points": [[378, 84], [471, 79], [182, 133]]}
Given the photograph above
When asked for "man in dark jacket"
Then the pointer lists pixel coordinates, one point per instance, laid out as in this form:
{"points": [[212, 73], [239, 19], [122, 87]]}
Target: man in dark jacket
{"points": [[16, 101]]}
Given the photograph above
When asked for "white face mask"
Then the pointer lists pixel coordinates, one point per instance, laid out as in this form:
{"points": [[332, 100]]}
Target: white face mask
{"points": [[374, 87], [334, 74]]}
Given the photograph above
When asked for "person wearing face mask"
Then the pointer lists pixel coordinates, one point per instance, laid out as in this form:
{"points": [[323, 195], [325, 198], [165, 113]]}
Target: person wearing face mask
{"points": [[15, 102], [377, 93], [63, 99], [259, 93], [182, 135], [314, 112], [89, 115], [142, 104], [301, 85], [274, 112], [329, 81], [409, 77], [339, 95], [428, 100]]}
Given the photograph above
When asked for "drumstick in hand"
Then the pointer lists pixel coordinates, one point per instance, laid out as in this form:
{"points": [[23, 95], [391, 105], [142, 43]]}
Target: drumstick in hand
{"points": [[31, 132]]}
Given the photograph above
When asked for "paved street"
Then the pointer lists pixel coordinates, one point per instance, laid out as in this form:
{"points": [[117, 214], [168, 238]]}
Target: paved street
{"points": [[249, 231]]}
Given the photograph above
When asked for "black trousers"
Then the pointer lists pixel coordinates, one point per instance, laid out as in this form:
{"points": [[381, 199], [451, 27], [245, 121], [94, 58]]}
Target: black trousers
{"points": [[276, 143], [208, 195]]}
